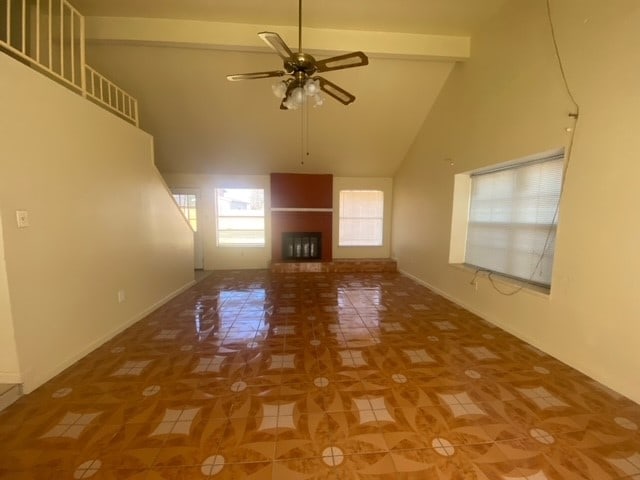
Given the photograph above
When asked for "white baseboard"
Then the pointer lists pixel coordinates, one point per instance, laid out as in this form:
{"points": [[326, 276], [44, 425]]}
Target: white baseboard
{"points": [[31, 383], [587, 370], [466, 306], [9, 396], [439, 292]]}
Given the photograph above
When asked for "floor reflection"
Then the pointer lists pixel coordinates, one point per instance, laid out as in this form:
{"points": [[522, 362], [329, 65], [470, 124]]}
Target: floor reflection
{"points": [[318, 376]]}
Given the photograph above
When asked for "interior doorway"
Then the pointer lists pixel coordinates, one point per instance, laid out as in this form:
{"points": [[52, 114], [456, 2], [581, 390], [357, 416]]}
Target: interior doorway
{"points": [[188, 200]]}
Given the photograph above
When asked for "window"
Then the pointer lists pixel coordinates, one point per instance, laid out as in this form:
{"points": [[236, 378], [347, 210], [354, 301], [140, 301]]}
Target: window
{"points": [[187, 203], [240, 216], [513, 218], [361, 218]]}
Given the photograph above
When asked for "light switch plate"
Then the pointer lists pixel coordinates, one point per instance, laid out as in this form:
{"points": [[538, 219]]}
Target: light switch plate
{"points": [[22, 217]]}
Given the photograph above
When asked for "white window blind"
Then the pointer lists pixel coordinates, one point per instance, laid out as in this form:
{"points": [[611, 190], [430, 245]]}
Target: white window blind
{"points": [[240, 216], [361, 218], [513, 218]]}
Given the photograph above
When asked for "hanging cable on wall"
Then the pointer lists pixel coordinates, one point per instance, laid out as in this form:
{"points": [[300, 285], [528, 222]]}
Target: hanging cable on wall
{"points": [[574, 116]]}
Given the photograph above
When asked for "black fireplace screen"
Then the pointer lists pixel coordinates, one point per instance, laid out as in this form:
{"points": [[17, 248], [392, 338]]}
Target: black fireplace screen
{"points": [[301, 246]]}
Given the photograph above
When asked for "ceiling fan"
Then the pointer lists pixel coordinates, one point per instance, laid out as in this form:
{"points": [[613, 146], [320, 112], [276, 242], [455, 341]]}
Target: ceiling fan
{"points": [[302, 68]]}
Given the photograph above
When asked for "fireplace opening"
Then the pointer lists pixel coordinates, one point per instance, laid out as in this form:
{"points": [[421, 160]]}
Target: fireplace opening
{"points": [[301, 246]]}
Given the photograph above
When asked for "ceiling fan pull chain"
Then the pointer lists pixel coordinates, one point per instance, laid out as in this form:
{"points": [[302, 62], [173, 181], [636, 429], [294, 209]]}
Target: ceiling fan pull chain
{"points": [[302, 134]]}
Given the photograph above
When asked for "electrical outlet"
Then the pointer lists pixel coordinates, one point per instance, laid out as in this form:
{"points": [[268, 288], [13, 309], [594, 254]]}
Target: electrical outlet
{"points": [[22, 218], [121, 296]]}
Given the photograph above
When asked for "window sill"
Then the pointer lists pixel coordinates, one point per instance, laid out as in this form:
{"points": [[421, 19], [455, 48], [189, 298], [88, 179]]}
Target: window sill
{"points": [[360, 246], [239, 245], [508, 283]]}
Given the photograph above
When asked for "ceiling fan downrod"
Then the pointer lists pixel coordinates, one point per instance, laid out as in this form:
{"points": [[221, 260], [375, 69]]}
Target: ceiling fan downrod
{"points": [[299, 26]]}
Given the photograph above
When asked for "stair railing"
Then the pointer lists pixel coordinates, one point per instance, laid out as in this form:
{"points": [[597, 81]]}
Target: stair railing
{"points": [[49, 35]]}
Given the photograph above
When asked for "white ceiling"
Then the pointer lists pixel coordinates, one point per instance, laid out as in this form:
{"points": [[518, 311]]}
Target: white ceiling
{"points": [[204, 124]]}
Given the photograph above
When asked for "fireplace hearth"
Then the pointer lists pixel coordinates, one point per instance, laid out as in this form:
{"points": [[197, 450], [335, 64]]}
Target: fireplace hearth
{"points": [[301, 246]]}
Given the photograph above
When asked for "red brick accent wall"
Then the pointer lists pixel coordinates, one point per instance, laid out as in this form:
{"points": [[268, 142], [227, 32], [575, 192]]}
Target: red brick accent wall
{"points": [[294, 190], [301, 191]]}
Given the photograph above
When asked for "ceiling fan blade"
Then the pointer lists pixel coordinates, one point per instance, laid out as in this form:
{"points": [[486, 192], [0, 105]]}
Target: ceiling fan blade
{"points": [[335, 91], [277, 44], [255, 75], [348, 60]]}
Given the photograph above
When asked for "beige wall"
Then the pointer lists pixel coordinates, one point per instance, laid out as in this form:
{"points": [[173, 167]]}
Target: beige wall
{"points": [[223, 258], [101, 221], [507, 102], [363, 183], [9, 367]]}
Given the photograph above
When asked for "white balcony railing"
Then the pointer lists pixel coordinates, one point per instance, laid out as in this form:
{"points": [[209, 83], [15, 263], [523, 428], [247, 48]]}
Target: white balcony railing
{"points": [[110, 96], [49, 36]]}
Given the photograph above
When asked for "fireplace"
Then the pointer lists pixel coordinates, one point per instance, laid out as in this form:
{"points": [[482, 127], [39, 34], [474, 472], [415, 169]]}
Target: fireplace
{"points": [[301, 205], [301, 246]]}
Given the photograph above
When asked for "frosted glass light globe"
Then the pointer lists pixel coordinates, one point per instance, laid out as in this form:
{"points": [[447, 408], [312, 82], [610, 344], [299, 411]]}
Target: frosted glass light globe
{"points": [[279, 89], [297, 96], [312, 87]]}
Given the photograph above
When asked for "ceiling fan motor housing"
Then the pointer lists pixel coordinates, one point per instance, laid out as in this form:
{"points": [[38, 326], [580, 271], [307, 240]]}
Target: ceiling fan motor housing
{"points": [[301, 62]]}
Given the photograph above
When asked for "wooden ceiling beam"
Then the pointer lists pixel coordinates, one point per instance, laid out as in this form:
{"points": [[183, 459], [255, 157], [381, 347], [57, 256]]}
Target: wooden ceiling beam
{"points": [[244, 37]]}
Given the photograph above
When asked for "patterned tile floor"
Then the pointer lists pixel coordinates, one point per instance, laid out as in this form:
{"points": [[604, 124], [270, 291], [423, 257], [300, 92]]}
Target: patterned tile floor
{"points": [[318, 376]]}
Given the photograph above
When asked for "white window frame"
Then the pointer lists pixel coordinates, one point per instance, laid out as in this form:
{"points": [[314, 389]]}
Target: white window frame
{"points": [[186, 209], [220, 215], [463, 250], [343, 220]]}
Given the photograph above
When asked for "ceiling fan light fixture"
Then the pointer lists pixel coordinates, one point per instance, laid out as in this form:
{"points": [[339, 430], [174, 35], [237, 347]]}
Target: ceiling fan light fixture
{"points": [[297, 96], [289, 104], [312, 87], [280, 89]]}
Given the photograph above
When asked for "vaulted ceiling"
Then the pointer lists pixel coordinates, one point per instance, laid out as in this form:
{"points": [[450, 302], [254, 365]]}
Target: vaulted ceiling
{"points": [[174, 55]]}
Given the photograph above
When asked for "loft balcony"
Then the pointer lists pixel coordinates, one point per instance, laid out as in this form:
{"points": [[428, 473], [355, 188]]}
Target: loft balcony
{"points": [[49, 36]]}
